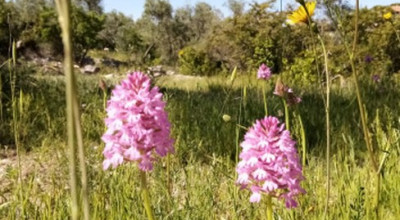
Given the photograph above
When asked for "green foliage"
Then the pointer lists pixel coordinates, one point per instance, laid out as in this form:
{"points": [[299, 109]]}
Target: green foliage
{"points": [[303, 71], [263, 53], [5, 10], [127, 39], [49, 31], [85, 26], [23, 81], [196, 62], [90, 5], [42, 30]]}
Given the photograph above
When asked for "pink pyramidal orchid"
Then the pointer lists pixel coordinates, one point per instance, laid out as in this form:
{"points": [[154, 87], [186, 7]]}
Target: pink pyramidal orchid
{"points": [[264, 72], [137, 125], [269, 162]]}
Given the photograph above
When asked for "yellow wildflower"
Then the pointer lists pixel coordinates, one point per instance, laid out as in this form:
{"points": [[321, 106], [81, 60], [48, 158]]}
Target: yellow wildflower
{"points": [[300, 15], [180, 53], [387, 16]]}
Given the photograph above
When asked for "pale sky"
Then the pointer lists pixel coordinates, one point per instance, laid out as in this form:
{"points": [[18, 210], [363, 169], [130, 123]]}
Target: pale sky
{"points": [[134, 8]]}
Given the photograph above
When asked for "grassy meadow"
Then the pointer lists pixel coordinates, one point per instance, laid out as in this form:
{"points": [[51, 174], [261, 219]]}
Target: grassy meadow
{"points": [[344, 67], [203, 168]]}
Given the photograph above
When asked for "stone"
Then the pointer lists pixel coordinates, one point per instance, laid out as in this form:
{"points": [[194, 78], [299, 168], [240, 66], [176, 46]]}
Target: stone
{"points": [[90, 69]]}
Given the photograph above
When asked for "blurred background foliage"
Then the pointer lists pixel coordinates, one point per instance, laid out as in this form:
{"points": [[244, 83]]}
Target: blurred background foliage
{"points": [[199, 40]]}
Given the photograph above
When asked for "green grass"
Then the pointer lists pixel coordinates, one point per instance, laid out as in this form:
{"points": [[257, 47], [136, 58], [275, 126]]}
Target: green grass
{"points": [[203, 168]]}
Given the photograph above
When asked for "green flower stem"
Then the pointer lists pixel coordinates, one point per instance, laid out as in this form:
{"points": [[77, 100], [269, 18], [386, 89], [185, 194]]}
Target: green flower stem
{"points": [[326, 102], [269, 208], [287, 123], [146, 196], [377, 192], [169, 184], [265, 99], [303, 138], [105, 99]]}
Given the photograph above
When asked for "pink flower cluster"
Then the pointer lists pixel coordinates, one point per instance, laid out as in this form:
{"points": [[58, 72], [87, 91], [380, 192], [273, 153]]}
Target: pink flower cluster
{"points": [[137, 124], [269, 162], [264, 72]]}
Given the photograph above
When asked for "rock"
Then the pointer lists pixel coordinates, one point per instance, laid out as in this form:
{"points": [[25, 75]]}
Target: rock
{"points": [[109, 76], [155, 71], [170, 72], [19, 44], [90, 69], [87, 61], [110, 62], [396, 9], [97, 61]]}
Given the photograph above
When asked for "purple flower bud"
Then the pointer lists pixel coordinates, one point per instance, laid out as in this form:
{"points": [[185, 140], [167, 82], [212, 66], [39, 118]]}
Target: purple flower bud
{"points": [[376, 78], [368, 59], [264, 72]]}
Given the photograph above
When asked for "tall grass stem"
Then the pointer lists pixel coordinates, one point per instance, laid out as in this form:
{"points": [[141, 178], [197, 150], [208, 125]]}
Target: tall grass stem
{"points": [[81, 155], [328, 135], [12, 65], [73, 116], [363, 116]]}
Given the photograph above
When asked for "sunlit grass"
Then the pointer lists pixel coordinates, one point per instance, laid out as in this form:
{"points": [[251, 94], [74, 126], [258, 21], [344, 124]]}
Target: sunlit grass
{"points": [[203, 168]]}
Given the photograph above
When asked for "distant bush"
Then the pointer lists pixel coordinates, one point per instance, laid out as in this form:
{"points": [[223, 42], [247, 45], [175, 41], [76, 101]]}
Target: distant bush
{"points": [[196, 62], [302, 72]]}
